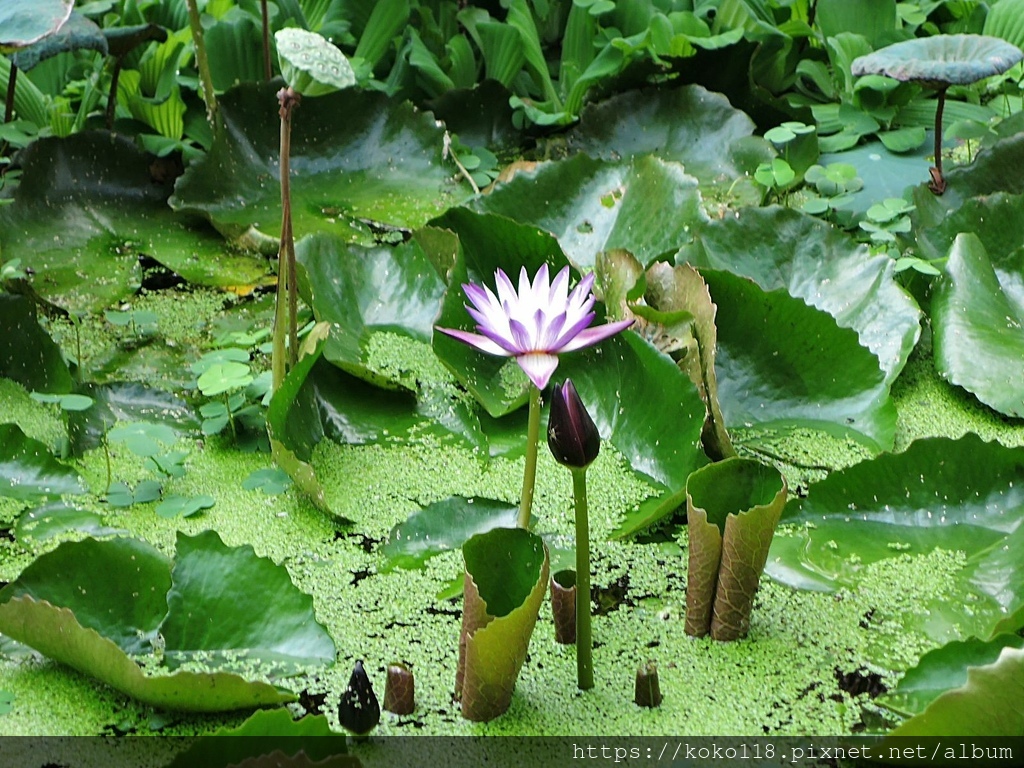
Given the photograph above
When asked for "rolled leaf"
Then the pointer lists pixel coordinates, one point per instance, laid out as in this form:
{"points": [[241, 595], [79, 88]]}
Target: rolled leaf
{"points": [[506, 575], [732, 509]]}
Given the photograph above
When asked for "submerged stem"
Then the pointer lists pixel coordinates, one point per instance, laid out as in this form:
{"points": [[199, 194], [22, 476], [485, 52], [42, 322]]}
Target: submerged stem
{"points": [[530, 471], [584, 639]]}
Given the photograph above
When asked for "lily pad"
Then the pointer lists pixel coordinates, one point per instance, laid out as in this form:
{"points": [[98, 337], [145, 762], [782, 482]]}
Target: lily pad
{"points": [[960, 495], [57, 518], [986, 705], [690, 125], [86, 210], [979, 328], [77, 33], [361, 291], [943, 669], [379, 165], [941, 60], [25, 21], [783, 365], [28, 470], [646, 205], [27, 353], [184, 506], [442, 526], [260, 614], [820, 265]]}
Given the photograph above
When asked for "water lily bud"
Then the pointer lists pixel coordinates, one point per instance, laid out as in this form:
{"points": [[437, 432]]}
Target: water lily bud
{"points": [[647, 692], [572, 435], [359, 710], [399, 690]]}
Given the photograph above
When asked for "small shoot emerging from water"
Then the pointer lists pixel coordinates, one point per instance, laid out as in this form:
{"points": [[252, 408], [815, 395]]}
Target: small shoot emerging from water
{"points": [[534, 325], [575, 442]]}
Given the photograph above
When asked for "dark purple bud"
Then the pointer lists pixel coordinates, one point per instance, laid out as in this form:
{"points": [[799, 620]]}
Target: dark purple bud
{"points": [[359, 710], [572, 435]]}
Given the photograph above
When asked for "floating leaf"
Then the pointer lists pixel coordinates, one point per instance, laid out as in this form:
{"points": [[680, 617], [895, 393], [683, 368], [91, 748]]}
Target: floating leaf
{"points": [[259, 613], [271, 481], [957, 495], [183, 506], [442, 526], [142, 438], [87, 208], [987, 705], [979, 328], [646, 205], [943, 669], [380, 164], [506, 578], [941, 60], [29, 471], [25, 21], [27, 353], [57, 518], [822, 266], [224, 377]]}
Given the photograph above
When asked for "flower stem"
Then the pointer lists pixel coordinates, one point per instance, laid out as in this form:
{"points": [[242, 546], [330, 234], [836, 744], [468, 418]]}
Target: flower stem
{"points": [[584, 640], [203, 65], [284, 340], [530, 471]]}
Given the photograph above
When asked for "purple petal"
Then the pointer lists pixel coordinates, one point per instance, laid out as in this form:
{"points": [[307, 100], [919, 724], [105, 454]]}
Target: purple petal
{"points": [[538, 366], [482, 343], [577, 326], [493, 321], [502, 340], [549, 332], [593, 335], [480, 296], [521, 336]]}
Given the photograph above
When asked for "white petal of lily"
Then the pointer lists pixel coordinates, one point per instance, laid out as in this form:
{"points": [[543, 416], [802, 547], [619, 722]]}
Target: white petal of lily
{"points": [[482, 343], [538, 366], [559, 293]]}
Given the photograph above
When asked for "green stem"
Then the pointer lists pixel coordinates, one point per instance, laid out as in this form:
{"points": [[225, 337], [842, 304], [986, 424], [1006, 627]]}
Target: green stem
{"points": [[284, 312], [106, 455], [203, 65], [530, 471], [231, 418], [584, 639]]}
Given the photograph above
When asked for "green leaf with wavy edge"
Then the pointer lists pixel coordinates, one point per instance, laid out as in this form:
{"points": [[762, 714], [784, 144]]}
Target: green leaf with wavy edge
{"points": [[28, 470], [645, 205], [784, 365], [442, 526], [823, 267], [76, 34], [25, 21], [506, 578], [260, 614], [362, 291], [87, 208], [488, 242], [57, 518], [27, 353], [988, 704], [978, 328], [380, 166], [959, 495], [943, 669], [732, 508], [690, 125]]}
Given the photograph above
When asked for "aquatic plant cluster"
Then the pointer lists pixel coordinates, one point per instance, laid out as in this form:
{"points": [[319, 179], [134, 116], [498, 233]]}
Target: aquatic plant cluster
{"points": [[293, 296]]}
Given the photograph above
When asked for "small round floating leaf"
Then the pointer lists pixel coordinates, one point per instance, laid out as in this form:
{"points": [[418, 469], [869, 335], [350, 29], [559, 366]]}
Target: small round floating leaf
{"points": [[941, 60], [223, 377], [310, 64], [271, 481], [183, 506]]}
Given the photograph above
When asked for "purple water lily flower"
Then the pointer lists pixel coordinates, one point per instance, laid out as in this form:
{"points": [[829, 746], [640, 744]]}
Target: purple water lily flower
{"points": [[535, 324]]}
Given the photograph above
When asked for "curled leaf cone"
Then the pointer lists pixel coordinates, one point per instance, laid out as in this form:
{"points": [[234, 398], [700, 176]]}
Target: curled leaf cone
{"points": [[647, 692], [563, 606], [399, 690], [359, 711]]}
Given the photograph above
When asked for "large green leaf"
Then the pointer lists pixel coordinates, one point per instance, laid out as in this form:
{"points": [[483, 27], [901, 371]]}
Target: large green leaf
{"points": [[86, 210], [647, 205], [988, 704], [380, 164], [25, 21], [943, 669], [978, 327], [784, 365], [27, 353], [690, 125], [1006, 20], [993, 170], [941, 60], [75, 34], [89, 604], [29, 471], [506, 578], [820, 265], [488, 242], [362, 291], [252, 609], [961, 495]]}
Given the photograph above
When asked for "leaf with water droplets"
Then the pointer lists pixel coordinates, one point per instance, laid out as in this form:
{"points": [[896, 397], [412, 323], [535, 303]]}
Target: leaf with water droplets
{"points": [[29, 471]]}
